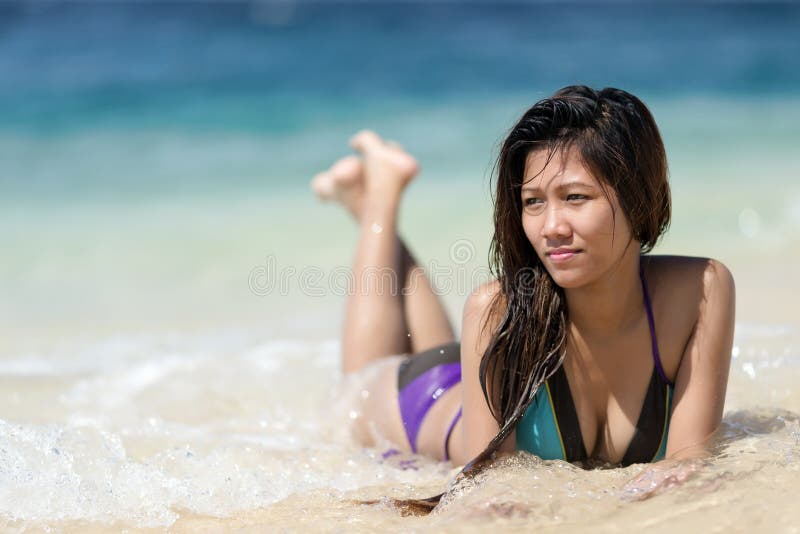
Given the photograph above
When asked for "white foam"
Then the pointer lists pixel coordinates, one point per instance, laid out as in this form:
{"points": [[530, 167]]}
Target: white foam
{"points": [[215, 424]]}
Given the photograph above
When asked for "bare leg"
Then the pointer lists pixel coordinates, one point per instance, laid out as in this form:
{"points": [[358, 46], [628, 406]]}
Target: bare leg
{"points": [[393, 308], [428, 324]]}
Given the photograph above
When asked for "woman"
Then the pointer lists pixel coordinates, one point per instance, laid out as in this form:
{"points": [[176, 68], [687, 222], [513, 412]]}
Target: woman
{"points": [[584, 348]]}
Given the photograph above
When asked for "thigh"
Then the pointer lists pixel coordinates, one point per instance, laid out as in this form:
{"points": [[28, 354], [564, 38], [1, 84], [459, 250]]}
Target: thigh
{"points": [[380, 419]]}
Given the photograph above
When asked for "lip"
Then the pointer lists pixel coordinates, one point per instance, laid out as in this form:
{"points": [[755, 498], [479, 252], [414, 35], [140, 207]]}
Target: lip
{"points": [[562, 254]]}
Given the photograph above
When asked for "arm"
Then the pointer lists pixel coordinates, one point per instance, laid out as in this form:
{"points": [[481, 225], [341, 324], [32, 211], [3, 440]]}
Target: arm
{"points": [[478, 424], [700, 387], [702, 377]]}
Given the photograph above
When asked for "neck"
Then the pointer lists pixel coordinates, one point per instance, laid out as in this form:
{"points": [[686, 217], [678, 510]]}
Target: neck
{"points": [[610, 304]]}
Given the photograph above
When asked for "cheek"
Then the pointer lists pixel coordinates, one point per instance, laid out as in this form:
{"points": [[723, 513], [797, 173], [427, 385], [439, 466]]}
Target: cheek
{"points": [[533, 233], [601, 224], [616, 223], [531, 230], [621, 229]]}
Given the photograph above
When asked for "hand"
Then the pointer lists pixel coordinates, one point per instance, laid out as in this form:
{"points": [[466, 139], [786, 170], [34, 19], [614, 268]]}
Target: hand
{"points": [[659, 478]]}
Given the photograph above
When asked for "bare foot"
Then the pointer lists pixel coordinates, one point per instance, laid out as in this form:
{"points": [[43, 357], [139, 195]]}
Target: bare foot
{"points": [[387, 167], [343, 182]]}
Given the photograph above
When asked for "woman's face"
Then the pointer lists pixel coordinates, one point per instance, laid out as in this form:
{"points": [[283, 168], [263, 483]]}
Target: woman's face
{"points": [[569, 219]]}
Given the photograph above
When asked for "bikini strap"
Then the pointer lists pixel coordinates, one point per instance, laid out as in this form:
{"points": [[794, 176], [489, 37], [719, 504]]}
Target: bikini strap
{"points": [[651, 322], [450, 431]]}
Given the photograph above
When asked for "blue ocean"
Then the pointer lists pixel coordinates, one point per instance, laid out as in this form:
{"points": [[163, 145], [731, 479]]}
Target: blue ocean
{"points": [[167, 275]]}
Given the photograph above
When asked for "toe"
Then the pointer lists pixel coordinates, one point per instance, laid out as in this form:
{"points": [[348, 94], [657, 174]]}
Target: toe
{"points": [[365, 141], [322, 185], [395, 144], [347, 166]]}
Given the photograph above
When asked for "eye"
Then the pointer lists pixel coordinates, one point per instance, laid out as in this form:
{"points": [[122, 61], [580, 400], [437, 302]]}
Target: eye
{"points": [[576, 197], [532, 201]]}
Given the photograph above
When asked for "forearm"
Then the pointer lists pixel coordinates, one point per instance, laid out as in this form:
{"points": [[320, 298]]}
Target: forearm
{"points": [[699, 451]]}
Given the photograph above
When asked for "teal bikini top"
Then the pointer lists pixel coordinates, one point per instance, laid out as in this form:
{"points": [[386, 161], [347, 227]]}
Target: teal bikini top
{"points": [[550, 428]]}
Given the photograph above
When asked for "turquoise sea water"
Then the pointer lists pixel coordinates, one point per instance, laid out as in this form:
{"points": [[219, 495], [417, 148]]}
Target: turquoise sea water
{"points": [[153, 154]]}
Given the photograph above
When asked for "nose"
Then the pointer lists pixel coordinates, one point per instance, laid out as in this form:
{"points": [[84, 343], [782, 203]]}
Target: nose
{"points": [[556, 226]]}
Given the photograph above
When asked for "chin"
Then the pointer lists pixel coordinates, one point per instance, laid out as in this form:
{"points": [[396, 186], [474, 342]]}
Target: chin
{"points": [[568, 278], [567, 283]]}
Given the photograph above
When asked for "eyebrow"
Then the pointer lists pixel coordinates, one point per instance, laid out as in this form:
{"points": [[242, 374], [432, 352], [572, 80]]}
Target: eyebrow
{"points": [[563, 185]]}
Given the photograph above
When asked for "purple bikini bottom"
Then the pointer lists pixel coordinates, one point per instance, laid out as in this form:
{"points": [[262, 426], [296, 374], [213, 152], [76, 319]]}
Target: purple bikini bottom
{"points": [[422, 380]]}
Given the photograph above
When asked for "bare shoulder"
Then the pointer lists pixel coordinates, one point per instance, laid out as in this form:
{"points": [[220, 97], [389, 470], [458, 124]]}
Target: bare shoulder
{"points": [[483, 296], [686, 275], [482, 313], [484, 306], [688, 294]]}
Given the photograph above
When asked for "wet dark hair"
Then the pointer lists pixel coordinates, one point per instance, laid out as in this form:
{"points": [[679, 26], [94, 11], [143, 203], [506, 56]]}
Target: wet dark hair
{"points": [[618, 141]]}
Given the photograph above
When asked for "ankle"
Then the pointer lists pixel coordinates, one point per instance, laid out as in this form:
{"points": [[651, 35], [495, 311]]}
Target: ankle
{"points": [[383, 193], [379, 213]]}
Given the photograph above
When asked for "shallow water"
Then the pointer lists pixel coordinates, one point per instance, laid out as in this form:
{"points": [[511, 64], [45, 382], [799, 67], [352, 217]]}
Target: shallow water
{"points": [[234, 429]]}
